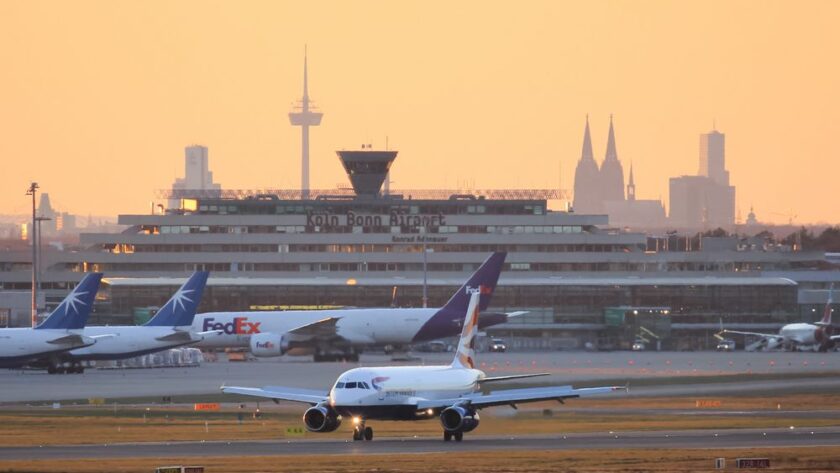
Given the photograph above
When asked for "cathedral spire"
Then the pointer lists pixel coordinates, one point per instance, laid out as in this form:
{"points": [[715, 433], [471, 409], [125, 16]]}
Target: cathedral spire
{"points": [[586, 152], [612, 154], [631, 185]]}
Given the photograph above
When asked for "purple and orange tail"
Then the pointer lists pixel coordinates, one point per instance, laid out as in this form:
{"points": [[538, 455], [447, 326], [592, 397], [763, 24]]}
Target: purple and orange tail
{"points": [[465, 355]]}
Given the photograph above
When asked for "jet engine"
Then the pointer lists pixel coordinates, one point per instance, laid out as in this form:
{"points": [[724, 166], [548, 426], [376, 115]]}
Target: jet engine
{"points": [[459, 419], [268, 344], [321, 419]]}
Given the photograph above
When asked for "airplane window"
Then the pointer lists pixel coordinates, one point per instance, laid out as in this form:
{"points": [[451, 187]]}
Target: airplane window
{"points": [[350, 385], [364, 384], [339, 385]]}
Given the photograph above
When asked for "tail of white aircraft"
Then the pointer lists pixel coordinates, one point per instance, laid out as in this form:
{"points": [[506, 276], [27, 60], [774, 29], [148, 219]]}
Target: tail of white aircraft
{"points": [[826, 318], [465, 355]]}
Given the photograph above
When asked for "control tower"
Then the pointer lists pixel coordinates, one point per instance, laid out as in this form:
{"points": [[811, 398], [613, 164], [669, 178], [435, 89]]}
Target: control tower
{"points": [[304, 116], [367, 169]]}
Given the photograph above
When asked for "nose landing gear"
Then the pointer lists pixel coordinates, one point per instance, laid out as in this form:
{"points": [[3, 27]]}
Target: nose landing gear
{"points": [[360, 432]]}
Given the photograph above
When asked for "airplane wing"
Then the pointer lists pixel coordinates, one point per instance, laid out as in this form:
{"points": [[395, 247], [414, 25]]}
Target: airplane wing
{"points": [[74, 339], [280, 393], [186, 336], [324, 328], [516, 396], [755, 334], [517, 313], [835, 337], [514, 376], [177, 336]]}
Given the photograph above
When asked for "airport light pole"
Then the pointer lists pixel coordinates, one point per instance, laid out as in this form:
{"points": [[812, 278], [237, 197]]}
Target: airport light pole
{"points": [[40, 258], [33, 189], [425, 264]]}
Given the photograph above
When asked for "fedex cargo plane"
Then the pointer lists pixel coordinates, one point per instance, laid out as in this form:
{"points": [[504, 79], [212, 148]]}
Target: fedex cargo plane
{"points": [[344, 333]]}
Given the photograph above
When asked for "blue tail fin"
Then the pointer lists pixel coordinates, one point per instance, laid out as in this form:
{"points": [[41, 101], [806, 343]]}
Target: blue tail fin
{"points": [[180, 309], [484, 279], [445, 323], [74, 310]]}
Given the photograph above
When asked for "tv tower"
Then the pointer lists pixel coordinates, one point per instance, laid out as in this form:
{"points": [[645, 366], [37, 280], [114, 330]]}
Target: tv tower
{"points": [[304, 117]]}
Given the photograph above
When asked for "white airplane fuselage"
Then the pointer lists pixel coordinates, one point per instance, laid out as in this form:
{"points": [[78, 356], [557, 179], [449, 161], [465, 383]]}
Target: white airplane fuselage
{"points": [[21, 344], [357, 326], [118, 342], [801, 333], [393, 392]]}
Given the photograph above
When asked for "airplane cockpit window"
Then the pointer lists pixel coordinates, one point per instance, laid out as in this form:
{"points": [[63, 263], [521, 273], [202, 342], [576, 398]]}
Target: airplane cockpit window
{"points": [[339, 385], [350, 385], [364, 384]]}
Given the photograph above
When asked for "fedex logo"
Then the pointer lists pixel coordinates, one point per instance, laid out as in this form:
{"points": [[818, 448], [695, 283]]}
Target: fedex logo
{"points": [[265, 345], [239, 326], [481, 289]]}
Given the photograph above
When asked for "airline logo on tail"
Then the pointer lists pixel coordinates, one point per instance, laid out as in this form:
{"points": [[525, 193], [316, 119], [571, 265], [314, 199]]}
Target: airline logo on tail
{"points": [[466, 346]]}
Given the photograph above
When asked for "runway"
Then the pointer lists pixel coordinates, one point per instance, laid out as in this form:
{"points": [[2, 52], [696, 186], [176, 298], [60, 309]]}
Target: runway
{"points": [[722, 439]]}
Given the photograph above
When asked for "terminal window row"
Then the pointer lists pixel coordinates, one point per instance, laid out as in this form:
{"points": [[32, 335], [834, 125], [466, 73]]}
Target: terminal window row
{"points": [[370, 248], [418, 267], [398, 229]]}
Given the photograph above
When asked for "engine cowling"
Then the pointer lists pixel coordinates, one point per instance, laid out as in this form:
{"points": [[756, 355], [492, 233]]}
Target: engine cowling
{"points": [[321, 419], [459, 419], [268, 344]]}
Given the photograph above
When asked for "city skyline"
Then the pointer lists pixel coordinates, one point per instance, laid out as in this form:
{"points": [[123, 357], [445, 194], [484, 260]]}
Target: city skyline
{"points": [[103, 97]]}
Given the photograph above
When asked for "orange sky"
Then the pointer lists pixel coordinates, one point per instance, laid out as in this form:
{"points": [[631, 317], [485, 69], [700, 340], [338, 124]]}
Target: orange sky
{"points": [[98, 99]]}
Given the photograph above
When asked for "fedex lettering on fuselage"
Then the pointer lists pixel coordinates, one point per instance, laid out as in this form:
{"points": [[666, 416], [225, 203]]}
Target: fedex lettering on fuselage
{"points": [[239, 326]]}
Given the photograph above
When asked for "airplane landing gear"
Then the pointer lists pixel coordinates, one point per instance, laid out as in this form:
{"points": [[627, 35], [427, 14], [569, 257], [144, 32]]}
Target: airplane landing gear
{"points": [[448, 436], [360, 432]]}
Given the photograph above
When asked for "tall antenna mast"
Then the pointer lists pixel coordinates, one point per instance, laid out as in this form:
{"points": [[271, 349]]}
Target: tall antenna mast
{"points": [[304, 117]]}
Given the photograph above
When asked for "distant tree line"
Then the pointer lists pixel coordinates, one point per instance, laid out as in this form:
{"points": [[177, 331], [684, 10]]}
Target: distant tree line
{"points": [[828, 240]]}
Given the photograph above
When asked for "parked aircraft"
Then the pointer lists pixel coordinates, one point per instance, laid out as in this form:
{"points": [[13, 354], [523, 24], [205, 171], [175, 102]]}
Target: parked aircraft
{"points": [[60, 332], [169, 328], [344, 333], [818, 336], [452, 393]]}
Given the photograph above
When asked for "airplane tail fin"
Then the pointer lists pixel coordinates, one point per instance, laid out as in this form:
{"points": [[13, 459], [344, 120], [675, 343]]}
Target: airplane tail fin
{"points": [[484, 280], [826, 318], [73, 312], [465, 354], [180, 310]]}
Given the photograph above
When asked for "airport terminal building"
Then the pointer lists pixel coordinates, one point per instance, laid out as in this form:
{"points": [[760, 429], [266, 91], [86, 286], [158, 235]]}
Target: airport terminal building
{"points": [[367, 248]]}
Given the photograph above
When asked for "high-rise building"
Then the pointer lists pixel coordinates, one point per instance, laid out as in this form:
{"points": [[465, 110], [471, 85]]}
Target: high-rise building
{"points": [[713, 157], [706, 200], [197, 174], [48, 215]]}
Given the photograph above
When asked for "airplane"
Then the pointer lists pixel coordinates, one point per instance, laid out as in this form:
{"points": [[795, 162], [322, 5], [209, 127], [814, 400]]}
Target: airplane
{"points": [[169, 328], [60, 332], [343, 333], [818, 336], [452, 392]]}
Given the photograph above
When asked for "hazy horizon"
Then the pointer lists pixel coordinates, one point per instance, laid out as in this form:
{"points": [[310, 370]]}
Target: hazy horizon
{"points": [[99, 98]]}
